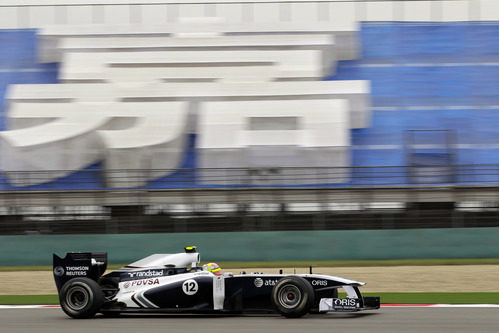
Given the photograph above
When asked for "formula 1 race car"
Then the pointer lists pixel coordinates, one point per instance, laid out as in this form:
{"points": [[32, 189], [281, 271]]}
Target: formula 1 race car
{"points": [[174, 283]]}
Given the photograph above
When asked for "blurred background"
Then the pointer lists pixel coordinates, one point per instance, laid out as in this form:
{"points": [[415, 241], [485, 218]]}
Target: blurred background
{"points": [[290, 130]]}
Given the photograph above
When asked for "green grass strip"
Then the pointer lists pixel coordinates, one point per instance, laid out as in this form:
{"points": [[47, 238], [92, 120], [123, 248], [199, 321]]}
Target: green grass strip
{"points": [[438, 298], [24, 268], [314, 263], [399, 298], [29, 299]]}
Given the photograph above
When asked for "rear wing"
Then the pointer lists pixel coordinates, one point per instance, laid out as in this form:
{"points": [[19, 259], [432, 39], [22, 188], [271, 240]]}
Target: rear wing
{"points": [[78, 264]]}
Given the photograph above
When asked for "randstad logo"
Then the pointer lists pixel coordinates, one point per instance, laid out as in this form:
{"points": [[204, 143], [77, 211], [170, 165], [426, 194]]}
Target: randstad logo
{"points": [[146, 274]]}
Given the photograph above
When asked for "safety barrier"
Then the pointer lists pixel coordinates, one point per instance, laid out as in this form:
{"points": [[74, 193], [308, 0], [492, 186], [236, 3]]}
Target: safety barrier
{"points": [[262, 246]]}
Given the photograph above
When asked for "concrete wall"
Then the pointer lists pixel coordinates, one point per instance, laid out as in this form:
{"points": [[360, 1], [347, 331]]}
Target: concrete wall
{"points": [[263, 246], [36, 13]]}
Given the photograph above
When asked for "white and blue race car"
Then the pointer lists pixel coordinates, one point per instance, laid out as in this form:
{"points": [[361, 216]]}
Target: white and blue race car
{"points": [[174, 283]]}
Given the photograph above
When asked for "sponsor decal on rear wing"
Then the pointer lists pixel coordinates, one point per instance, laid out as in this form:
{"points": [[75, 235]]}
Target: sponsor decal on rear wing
{"points": [[78, 264]]}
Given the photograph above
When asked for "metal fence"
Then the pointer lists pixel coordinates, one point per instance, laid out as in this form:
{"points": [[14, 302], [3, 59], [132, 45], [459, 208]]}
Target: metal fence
{"points": [[254, 215], [373, 198], [271, 177]]}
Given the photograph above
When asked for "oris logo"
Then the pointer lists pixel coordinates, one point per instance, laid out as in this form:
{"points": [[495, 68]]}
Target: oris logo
{"points": [[319, 283], [350, 302], [258, 282]]}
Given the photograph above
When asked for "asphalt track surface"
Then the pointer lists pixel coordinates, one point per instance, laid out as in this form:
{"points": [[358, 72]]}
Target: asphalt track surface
{"points": [[383, 320]]}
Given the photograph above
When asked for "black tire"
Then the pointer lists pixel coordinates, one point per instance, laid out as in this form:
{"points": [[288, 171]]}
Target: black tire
{"points": [[81, 298], [293, 296]]}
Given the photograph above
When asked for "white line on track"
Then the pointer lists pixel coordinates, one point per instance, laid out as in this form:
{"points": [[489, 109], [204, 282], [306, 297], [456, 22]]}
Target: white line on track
{"points": [[28, 306]]}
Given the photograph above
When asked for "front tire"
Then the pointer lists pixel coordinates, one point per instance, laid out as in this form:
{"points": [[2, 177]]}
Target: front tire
{"points": [[81, 298], [293, 296]]}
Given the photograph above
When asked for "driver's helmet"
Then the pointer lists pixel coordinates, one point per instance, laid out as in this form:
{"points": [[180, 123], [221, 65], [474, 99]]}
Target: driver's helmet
{"points": [[213, 268]]}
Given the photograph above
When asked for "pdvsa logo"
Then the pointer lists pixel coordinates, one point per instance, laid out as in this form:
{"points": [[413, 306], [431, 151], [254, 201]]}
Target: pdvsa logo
{"points": [[148, 282]]}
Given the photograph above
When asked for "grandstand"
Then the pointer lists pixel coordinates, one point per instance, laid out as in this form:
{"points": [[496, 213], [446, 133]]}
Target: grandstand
{"points": [[425, 155]]}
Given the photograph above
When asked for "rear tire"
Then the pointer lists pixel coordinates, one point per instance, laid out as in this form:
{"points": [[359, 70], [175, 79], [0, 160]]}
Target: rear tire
{"points": [[293, 296], [81, 298]]}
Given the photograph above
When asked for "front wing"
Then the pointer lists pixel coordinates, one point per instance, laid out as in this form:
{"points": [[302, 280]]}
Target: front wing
{"points": [[348, 304]]}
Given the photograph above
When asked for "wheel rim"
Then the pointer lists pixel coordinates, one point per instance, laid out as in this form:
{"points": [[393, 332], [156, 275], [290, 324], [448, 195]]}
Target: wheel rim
{"points": [[289, 296], [77, 298]]}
